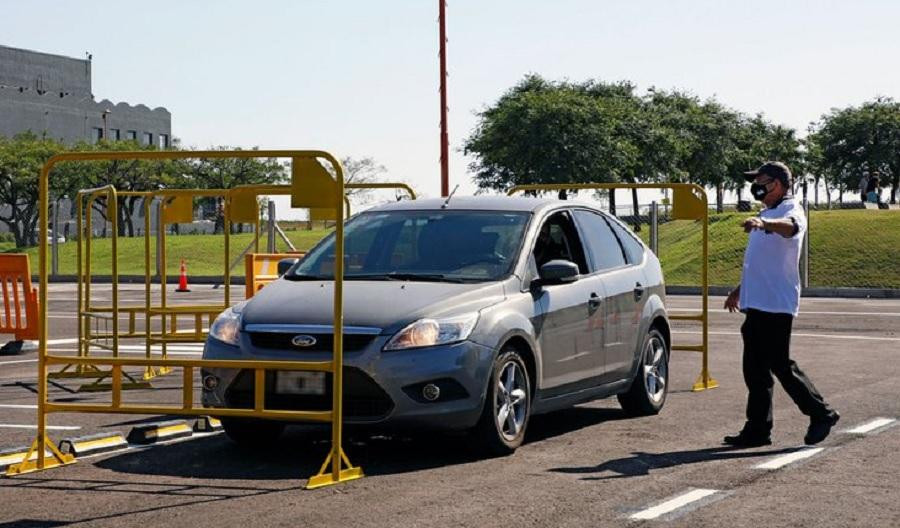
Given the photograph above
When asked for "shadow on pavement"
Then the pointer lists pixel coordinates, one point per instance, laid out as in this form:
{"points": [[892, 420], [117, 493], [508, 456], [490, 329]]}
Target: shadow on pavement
{"points": [[299, 452], [641, 463]]}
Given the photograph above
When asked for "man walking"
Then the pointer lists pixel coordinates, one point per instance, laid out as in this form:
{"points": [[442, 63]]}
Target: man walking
{"points": [[769, 296]]}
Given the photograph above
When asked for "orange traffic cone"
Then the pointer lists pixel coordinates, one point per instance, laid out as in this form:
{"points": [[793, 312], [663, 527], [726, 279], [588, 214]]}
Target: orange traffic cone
{"points": [[182, 280]]}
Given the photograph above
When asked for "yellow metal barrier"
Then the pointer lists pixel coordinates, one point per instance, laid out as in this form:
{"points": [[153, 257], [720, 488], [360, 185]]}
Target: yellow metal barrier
{"points": [[312, 187], [262, 268], [689, 203]]}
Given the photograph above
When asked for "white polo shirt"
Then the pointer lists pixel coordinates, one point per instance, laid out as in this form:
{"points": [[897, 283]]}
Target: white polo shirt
{"points": [[770, 280]]}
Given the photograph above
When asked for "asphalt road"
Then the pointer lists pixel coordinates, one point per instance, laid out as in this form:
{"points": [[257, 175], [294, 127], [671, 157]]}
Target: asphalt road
{"points": [[588, 466]]}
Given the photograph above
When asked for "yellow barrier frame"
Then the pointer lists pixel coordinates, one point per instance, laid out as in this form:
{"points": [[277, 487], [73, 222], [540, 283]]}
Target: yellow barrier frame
{"points": [[690, 202], [336, 458]]}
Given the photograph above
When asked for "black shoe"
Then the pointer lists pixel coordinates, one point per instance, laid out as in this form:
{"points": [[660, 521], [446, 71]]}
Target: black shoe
{"points": [[820, 427], [744, 439]]}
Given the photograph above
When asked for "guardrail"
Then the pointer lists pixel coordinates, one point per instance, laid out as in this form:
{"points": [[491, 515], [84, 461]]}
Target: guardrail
{"points": [[312, 187]]}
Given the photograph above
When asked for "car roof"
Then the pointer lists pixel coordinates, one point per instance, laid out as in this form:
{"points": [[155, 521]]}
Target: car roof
{"points": [[485, 203]]}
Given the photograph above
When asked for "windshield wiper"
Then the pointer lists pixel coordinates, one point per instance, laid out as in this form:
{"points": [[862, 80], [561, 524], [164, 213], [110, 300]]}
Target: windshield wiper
{"points": [[398, 276], [302, 277]]}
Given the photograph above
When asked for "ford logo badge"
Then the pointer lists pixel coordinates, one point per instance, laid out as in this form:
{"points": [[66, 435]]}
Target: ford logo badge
{"points": [[303, 340]]}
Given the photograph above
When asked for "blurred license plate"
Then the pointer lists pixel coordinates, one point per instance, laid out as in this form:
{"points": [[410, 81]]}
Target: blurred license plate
{"points": [[287, 382]]}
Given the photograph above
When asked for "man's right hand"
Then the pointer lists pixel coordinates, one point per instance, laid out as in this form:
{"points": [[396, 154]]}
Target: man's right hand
{"points": [[732, 302]]}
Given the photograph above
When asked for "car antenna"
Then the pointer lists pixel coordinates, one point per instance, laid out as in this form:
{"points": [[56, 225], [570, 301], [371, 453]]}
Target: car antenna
{"points": [[447, 201]]}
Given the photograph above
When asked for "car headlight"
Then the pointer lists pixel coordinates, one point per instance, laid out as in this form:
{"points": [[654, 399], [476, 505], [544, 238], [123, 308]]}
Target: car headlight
{"points": [[431, 332], [227, 326]]}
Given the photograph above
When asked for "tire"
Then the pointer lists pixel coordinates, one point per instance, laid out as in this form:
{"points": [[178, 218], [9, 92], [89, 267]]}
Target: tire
{"points": [[502, 437], [649, 389], [248, 432]]}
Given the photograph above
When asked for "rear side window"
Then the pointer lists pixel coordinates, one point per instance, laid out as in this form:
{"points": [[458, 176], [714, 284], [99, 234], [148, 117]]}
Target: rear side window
{"points": [[634, 250], [602, 245]]}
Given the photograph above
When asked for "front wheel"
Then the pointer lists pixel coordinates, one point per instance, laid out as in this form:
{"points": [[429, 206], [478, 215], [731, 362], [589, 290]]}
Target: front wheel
{"points": [[507, 405], [648, 391]]}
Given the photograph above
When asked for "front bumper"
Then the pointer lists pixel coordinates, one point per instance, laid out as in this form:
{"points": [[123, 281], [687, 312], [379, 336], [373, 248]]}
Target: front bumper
{"points": [[380, 388]]}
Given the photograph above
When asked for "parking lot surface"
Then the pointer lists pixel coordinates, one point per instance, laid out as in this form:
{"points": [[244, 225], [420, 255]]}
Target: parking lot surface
{"points": [[587, 466]]}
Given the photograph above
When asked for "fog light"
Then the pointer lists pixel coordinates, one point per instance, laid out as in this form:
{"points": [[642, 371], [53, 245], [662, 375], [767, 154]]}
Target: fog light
{"points": [[210, 382], [431, 392]]}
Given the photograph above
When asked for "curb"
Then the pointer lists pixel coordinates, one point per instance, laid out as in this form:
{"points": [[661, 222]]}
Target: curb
{"points": [[15, 455], [159, 431], [207, 424], [93, 444], [18, 348], [139, 279]]}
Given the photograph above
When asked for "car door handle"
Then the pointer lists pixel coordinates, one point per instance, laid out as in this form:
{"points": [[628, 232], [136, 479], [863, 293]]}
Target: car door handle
{"points": [[638, 291], [595, 301]]}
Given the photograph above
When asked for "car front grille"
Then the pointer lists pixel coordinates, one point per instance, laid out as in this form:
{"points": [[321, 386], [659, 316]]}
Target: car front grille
{"points": [[363, 398], [324, 342]]}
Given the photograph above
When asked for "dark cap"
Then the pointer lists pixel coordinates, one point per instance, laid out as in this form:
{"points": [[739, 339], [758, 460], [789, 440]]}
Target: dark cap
{"points": [[773, 169]]}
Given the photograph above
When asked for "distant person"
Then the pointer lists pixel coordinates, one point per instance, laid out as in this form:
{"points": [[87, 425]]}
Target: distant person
{"points": [[873, 190], [863, 186], [769, 296]]}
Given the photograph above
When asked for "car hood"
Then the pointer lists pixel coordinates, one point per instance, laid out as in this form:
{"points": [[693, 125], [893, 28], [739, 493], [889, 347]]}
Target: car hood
{"points": [[388, 305]]}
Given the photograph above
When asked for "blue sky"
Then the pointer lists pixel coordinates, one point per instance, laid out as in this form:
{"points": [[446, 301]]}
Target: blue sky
{"points": [[360, 78]]}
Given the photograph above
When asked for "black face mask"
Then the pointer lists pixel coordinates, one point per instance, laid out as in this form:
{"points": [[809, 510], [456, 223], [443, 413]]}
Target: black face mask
{"points": [[759, 191]]}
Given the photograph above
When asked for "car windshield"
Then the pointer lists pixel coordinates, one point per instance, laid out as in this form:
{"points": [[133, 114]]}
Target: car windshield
{"points": [[445, 246]]}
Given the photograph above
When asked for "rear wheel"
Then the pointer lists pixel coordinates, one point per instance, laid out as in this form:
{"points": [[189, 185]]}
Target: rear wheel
{"points": [[507, 405], [249, 432], [648, 391]]}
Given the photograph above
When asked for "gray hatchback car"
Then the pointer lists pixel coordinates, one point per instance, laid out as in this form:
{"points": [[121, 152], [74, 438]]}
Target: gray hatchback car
{"points": [[469, 314]]}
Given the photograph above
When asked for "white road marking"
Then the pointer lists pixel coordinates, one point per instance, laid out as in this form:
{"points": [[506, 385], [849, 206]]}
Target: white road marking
{"points": [[49, 427], [783, 460], [822, 336], [802, 313], [18, 361], [17, 406], [871, 426], [673, 504], [64, 341]]}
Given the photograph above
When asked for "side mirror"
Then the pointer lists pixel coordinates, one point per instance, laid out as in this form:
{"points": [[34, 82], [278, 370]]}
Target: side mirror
{"points": [[558, 272], [285, 264]]}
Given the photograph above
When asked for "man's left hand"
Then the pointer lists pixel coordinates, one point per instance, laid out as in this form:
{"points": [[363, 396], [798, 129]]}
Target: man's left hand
{"points": [[753, 223]]}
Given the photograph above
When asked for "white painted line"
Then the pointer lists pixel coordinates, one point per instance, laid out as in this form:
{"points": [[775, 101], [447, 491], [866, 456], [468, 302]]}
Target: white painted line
{"points": [[871, 426], [65, 341], [802, 313], [17, 406], [783, 460], [673, 504], [49, 427], [18, 361], [817, 336]]}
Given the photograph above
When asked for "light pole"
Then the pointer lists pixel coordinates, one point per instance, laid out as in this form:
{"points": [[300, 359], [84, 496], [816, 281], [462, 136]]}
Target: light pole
{"points": [[445, 149]]}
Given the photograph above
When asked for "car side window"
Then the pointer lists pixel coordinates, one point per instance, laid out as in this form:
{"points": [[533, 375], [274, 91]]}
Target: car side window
{"points": [[558, 240], [603, 246], [634, 250]]}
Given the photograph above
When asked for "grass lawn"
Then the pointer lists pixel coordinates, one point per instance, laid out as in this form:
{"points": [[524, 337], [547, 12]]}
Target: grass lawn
{"points": [[203, 254], [850, 248]]}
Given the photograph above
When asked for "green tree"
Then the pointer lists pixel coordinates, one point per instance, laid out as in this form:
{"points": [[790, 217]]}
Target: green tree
{"points": [[853, 140], [21, 160], [555, 133], [225, 173]]}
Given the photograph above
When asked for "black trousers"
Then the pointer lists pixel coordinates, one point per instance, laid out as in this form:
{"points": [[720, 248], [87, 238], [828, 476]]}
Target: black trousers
{"points": [[767, 343]]}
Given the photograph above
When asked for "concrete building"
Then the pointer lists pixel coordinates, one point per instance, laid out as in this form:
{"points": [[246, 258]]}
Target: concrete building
{"points": [[51, 95]]}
